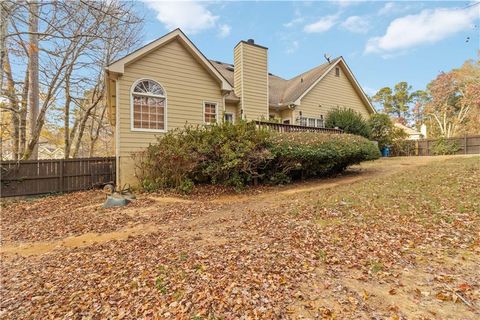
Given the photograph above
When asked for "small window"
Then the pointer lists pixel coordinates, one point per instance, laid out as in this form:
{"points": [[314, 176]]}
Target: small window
{"points": [[228, 117], [303, 121], [320, 123], [337, 72], [286, 121], [311, 122], [209, 112], [148, 106]]}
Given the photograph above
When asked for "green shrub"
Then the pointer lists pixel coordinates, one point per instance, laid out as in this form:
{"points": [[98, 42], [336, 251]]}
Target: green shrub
{"points": [[403, 147], [222, 153], [241, 154], [382, 129], [349, 121], [309, 154], [444, 146]]}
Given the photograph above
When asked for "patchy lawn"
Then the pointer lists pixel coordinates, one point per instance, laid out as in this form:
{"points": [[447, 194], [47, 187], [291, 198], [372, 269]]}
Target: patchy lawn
{"points": [[397, 238]]}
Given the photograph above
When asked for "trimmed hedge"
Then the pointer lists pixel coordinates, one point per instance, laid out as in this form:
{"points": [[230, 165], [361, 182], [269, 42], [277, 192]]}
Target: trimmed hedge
{"points": [[241, 154], [309, 154]]}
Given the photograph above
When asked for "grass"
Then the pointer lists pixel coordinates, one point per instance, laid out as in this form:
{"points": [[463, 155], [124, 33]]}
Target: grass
{"points": [[438, 190]]}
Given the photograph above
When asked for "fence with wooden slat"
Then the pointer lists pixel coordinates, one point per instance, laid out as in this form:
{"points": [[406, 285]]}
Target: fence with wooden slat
{"points": [[32, 177], [283, 127], [423, 147]]}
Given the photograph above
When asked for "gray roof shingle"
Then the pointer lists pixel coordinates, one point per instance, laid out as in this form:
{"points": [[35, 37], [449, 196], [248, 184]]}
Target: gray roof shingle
{"points": [[281, 91]]}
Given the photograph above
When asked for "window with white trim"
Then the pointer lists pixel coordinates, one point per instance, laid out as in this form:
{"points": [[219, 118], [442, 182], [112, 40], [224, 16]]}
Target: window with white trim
{"points": [[148, 106], [312, 122], [209, 112], [228, 117]]}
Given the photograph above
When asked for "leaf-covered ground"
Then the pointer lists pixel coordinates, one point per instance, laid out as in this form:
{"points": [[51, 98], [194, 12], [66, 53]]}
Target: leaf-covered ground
{"points": [[393, 239]]}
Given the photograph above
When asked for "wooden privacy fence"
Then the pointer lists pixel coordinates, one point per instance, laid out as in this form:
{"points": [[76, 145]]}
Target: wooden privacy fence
{"points": [[31, 177], [423, 147], [283, 127]]}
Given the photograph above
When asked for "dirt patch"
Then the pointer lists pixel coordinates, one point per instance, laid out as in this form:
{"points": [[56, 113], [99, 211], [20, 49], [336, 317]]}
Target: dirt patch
{"points": [[87, 239], [161, 199]]}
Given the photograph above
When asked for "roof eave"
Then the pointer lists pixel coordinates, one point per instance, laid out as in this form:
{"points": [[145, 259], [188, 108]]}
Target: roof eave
{"points": [[350, 74], [118, 66]]}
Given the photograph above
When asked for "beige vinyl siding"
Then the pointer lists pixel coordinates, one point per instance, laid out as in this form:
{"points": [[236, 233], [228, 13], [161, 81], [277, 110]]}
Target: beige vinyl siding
{"points": [[252, 71], [233, 108], [330, 93], [274, 113], [187, 85], [287, 115], [237, 76]]}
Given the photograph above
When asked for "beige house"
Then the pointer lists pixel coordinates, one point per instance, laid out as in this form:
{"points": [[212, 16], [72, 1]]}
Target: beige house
{"points": [[412, 134], [169, 83]]}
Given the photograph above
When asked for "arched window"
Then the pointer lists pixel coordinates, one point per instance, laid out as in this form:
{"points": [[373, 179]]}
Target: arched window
{"points": [[148, 106]]}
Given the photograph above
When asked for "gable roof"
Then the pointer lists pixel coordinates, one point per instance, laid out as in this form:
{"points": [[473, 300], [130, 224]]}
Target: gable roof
{"points": [[284, 92], [177, 34]]}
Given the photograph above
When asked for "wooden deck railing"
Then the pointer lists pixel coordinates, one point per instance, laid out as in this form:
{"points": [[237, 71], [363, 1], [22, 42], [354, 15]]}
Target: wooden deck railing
{"points": [[282, 127]]}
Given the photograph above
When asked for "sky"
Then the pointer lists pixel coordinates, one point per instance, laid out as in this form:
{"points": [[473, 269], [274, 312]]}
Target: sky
{"points": [[382, 42]]}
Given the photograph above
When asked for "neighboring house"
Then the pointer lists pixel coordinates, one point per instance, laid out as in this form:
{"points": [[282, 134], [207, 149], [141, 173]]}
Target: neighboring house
{"points": [[45, 151], [412, 134], [49, 151], [169, 83]]}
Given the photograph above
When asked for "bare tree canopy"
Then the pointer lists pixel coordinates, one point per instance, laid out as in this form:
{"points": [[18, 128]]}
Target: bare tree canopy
{"points": [[53, 56]]}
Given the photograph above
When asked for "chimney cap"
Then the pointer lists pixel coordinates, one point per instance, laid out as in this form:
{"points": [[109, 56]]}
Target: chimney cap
{"points": [[252, 43]]}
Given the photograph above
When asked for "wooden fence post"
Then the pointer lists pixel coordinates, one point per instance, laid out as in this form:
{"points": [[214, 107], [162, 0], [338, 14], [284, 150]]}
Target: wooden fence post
{"points": [[60, 176]]}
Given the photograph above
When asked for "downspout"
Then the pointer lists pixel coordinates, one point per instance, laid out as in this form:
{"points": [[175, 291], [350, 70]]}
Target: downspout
{"points": [[117, 132]]}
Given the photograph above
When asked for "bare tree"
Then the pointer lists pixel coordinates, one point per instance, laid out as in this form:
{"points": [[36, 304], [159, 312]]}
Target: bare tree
{"points": [[67, 45], [34, 90]]}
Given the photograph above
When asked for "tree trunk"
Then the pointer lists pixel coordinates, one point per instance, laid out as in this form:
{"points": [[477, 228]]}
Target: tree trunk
{"points": [[13, 100], [4, 13], [97, 96], [33, 73], [81, 130], [37, 128], [66, 133], [23, 115], [94, 137]]}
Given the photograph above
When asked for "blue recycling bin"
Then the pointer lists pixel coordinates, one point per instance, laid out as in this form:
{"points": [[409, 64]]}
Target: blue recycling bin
{"points": [[385, 152]]}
